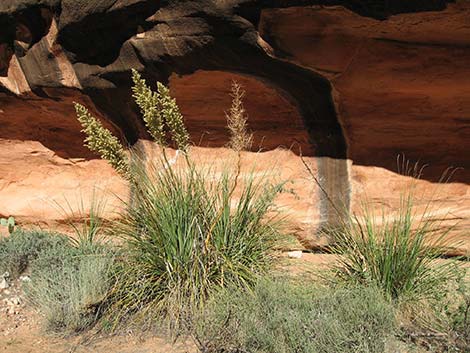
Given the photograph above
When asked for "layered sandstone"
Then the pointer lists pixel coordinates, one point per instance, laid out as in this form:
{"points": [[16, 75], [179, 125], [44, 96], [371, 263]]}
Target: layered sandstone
{"points": [[347, 84]]}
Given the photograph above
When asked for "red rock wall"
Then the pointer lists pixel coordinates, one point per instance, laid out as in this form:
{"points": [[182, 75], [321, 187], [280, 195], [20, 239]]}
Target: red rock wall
{"points": [[204, 98], [352, 91], [402, 85]]}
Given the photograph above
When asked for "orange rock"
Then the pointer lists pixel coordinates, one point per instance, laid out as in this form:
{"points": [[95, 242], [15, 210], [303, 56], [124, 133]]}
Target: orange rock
{"points": [[353, 91]]}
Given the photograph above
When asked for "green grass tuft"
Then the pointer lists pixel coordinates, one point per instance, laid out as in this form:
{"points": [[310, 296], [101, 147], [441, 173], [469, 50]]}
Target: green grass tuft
{"points": [[399, 255], [86, 221], [188, 234]]}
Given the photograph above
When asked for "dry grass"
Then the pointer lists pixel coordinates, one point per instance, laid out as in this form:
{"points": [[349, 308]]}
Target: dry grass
{"points": [[240, 138]]}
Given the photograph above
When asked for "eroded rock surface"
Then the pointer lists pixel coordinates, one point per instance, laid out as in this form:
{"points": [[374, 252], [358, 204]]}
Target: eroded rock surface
{"points": [[401, 85], [351, 84]]}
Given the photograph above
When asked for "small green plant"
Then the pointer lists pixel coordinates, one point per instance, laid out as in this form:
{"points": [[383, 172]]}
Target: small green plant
{"points": [[23, 246], [240, 139], [397, 254], [283, 317], [86, 220], [8, 222]]}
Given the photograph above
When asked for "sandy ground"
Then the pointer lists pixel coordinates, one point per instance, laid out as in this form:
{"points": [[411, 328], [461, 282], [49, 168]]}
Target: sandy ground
{"points": [[28, 337], [21, 332]]}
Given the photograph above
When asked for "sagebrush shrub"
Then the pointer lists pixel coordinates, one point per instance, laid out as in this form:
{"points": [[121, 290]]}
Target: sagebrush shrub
{"points": [[69, 285], [23, 246], [281, 317]]}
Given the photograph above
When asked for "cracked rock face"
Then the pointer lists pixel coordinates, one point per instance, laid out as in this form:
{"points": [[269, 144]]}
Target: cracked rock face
{"points": [[350, 84]]}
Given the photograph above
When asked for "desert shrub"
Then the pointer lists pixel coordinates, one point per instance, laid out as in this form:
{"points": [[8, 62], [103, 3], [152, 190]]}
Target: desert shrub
{"points": [[397, 254], [446, 326], [72, 276], [23, 246], [457, 311], [461, 320], [69, 285], [188, 234], [282, 317]]}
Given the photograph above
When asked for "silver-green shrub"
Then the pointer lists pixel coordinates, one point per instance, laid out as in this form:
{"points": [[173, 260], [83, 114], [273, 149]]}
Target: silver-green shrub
{"points": [[279, 316]]}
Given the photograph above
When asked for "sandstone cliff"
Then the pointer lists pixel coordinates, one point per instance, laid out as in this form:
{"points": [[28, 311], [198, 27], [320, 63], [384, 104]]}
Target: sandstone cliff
{"points": [[351, 84]]}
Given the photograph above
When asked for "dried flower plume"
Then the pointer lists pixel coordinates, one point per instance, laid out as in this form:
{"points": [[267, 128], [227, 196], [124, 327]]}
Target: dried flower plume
{"points": [[102, 141], [240, 139], [148, 102], [160, 112]]}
